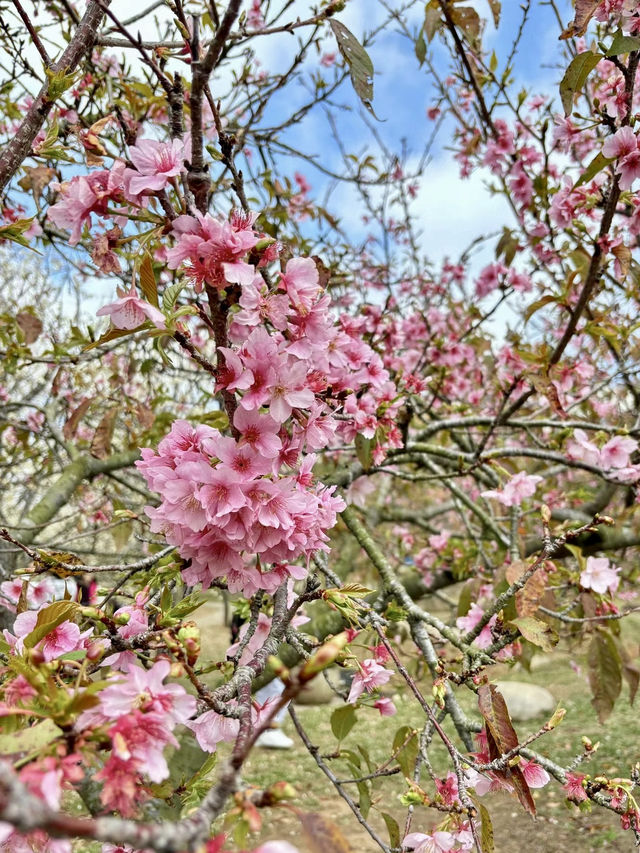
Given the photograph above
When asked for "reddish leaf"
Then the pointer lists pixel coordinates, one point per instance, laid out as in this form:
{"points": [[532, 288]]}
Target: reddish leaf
{"points": [[631, 672], [494, 710], [36, 179], [496, 8], [537, 632], [322, 834], [146, 416], [30, 325], [502, 738], [468, 20], [101, 443], [584, 13], [71, 425], [605, 673], [432, 19]]}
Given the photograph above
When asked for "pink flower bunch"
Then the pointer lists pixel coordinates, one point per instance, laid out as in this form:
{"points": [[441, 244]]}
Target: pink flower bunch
{"points": [[140, 713], [471, 619], [623, 146], [224, 502], [205, 244], [440, 841], [45, 779], [612, 456], [84, 195], [38, 593]]}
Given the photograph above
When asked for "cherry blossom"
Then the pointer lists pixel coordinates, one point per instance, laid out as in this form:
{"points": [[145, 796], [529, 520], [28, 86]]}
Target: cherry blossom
{"points": [[518, 488], [437, 842], [129, 311], [155, 162], [599, 575], [385, 706], [369, 676], [615, 453]]}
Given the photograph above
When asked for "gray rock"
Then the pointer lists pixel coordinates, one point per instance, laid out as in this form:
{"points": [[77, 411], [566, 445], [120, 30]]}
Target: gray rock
{"points": [[526, 701]]}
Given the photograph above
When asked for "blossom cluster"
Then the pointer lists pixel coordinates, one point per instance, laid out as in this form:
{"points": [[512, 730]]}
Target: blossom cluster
{"points": [[138, 714], [613, 456], [245, 507]]}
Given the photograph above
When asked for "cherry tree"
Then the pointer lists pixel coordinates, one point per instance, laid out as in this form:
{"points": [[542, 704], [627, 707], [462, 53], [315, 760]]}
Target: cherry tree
{"points": [[274, 399]]}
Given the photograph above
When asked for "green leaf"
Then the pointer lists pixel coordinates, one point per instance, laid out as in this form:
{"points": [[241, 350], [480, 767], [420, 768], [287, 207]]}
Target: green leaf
{"points": [[486, 827], [421, 48], [623, 44], [538, 304], [59, 82], [48, 620], [15, 233], [170, 296], [31, 739], [605, 673], [598, 163], [357, 58], [364, 451], [576, 76], [537, 632], [630, 672], [110, 335], [407, 754], [364, 801], [148, 283], [392, 828]]}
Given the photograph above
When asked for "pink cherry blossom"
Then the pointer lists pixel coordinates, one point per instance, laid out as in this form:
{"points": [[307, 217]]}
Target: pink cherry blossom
{"points": [[369, 676], [144, 689], [84, 195], [276, 847], [615, 453], [155, 162], [206, 246], [469, 622], [599, 575], [65, 638], [129, 311], [437, 842], [575, 792], [622, 142], [385, 706], [581, 449], [518, 488], [301, 282], [623, 146], [535, 775], [259, 431]]}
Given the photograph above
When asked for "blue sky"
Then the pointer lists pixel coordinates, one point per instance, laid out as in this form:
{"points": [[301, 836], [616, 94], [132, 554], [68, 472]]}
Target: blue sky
{"points": [[448, 212], [402, 92]]}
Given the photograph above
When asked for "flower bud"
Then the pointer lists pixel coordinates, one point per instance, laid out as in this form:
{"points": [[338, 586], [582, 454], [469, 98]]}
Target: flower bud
{"points": [[95, 651], [324, 657]]}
